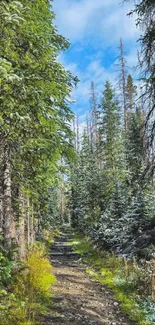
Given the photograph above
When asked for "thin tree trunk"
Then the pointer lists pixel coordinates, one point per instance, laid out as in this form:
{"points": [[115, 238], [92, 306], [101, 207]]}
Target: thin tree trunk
{"points": [[62, 203], [21, 239], [39, 219], [28, 222], [8, 220], [32, 225], [123, 83], [94, 114], [77, 135], [74, 130], [1, 214], [1, 190]]}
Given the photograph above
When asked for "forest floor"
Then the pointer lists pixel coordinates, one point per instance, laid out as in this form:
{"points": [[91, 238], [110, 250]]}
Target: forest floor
{"points": [[78, 298]]}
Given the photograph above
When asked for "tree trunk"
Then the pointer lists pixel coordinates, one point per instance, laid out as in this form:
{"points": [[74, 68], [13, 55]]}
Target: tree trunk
{"points": [[28, 222], [1, 214], [32, 236], [94, 115], [123, 82], [1, 190], [8, 220], [21, 238]]}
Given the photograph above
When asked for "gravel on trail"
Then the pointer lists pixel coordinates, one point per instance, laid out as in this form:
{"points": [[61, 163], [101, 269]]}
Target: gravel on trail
{"points": [[79, 299]]}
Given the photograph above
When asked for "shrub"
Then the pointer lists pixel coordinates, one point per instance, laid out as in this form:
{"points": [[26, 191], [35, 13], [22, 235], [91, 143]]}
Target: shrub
{"points": [[26, 298], [39, 276]]}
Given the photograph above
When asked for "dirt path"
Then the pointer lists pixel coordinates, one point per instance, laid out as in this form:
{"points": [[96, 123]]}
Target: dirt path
{"points": [[78, 299]]}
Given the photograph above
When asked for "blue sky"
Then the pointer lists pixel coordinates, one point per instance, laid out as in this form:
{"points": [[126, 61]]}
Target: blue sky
{"points": [[94, 28]]}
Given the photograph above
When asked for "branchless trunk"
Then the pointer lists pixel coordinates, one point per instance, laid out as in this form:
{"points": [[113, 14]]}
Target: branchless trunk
{"points": [[94, 114], [28, 222], [21, 238], [1, 190], [123, 82], [8, 220], [32, 232], [77, 135], [1, 214]]}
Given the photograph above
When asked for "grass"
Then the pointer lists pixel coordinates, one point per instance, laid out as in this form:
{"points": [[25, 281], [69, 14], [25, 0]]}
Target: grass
{"points": [[127, 283], [26, 288]]}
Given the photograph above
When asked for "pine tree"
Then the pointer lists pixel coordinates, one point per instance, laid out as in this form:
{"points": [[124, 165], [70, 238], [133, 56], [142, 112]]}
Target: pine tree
{"points": [[122, 82], [136, 149], [34, 114], [110, 127], [130, 93], [93, 102], [145, 20]]}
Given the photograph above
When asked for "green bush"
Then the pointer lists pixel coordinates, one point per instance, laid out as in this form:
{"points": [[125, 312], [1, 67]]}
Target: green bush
{"points": [[25, 297]]}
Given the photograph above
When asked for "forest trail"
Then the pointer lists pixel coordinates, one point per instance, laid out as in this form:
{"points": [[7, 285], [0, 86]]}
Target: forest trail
{"points": [[78, 299]]}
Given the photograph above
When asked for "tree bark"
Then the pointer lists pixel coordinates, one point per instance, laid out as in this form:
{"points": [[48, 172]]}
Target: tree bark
{"points": [[28, 222], [8, 220], [21, 238], [32, 234], [1, 214], [123, 83]]}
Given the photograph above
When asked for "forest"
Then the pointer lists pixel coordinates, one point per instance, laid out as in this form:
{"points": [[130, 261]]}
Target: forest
{"points": [[100, 183]]}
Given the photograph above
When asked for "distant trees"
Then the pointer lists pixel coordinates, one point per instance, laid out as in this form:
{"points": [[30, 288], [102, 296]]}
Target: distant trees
{"points": [[112, 197]]}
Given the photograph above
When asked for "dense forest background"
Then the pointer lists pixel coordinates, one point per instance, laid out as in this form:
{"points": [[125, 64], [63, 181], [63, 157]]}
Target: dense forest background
{"points": [[112, 182], [103, 182]]}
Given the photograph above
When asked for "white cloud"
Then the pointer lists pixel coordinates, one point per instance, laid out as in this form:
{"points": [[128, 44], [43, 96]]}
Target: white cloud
{"points": [[95, 71], [81, 19], [92, 72], [132, 57], [93, 26]]}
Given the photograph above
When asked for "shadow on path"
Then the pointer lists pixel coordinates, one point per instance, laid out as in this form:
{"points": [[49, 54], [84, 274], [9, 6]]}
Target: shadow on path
{"points": [[78, 299]]}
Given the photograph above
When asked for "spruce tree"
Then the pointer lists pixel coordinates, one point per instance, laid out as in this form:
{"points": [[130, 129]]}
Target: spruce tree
{"points": [[34, 113]]}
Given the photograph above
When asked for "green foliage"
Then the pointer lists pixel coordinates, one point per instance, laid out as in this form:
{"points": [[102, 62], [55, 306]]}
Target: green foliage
{"points": [[34, 115], [129, 282], [26, 295], [144, 10], [35, 128], [110, 200], [39, 276], [6, 267]]}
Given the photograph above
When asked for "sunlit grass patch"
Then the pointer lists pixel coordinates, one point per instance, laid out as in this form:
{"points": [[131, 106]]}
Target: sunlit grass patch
{"points": [[30, 290], [109, 269]]}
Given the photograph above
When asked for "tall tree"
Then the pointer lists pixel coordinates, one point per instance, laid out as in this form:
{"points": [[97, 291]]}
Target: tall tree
{"points": [[122, 81], [110, 126], [34, 115], [93, 103], [130, 93], [146, 21]]}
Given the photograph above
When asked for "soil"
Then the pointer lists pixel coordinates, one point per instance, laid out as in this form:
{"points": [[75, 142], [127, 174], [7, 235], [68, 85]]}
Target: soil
{"points": [[79, 299]]}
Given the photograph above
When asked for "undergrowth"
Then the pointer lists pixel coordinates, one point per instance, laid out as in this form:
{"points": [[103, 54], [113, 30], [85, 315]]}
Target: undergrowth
{"points": [[129, 283], [25, 287]]}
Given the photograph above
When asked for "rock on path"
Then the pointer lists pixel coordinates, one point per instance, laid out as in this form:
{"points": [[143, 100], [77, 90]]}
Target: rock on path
{"points": [[78, 299]]}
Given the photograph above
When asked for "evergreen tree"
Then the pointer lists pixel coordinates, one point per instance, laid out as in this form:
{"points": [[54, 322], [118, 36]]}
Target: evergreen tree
{"points": [[111, 135], [130, 93], [34, 114], [136, 149], [146, 21]]}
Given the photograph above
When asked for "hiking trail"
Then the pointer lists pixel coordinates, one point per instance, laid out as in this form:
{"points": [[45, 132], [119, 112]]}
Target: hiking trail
{"points": [[79, 299]]}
